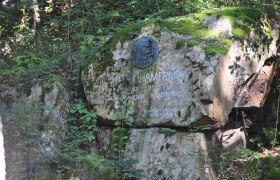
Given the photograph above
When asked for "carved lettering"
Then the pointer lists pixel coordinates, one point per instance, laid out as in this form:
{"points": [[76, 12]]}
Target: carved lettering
{"points": [[161, 113]]}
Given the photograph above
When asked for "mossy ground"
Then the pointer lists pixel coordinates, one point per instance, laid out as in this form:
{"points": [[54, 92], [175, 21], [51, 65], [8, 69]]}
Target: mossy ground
{"points": [[248, 164], [264, 168]]}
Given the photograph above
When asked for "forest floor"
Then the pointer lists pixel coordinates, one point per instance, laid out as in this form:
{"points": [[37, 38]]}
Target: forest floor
{"points": [[257, 165]]}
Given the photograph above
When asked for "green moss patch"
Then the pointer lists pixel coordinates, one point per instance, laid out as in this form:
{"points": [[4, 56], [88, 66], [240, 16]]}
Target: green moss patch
{"points": [[241, 19], [185, 25], [104, 58], [193, 43], [246, 15], [122, 35], [219, 47], [179, 44]]}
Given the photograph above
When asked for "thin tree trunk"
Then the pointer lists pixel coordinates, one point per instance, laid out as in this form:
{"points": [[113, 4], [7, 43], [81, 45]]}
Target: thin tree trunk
{"points": [[37, 26], [157, 6]]}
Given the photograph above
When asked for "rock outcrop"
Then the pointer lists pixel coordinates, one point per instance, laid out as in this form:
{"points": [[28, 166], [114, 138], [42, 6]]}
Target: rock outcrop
{"points": [[188, 83], [182, 72], [35, 124], [163, 153], [166, 96]]}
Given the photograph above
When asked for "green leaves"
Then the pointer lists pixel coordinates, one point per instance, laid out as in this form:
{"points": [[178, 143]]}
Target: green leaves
{"points": [[83, 124]]}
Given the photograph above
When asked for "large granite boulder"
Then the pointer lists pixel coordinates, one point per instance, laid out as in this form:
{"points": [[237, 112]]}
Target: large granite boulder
{"points": [[189, 78]]}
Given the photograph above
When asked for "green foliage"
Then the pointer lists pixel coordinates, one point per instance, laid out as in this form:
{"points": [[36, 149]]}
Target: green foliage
{"points": [[121, 133], [272, 135], [24, 129], [225, 162], [96, 167], [52, 81], [248, 164], [71, 34], [27, 121], [242, 19], [83, 125], [29, 65], [125, 168], [263, 168], [243, 153]]}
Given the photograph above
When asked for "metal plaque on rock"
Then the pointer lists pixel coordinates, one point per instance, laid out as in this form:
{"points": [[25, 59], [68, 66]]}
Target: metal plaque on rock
{"points": [[145, 52]]}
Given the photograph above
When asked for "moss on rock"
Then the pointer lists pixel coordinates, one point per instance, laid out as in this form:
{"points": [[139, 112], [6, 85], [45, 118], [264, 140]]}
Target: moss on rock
{"points": [[243, 20], [185, 25], [219, 47], [193, 43]]}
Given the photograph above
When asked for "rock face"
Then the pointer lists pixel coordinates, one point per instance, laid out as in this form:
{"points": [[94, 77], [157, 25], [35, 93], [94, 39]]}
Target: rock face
{"points": [[220, 25], [163, 153], [184, 86], [186, 80], [167, 156], [25, 143]]}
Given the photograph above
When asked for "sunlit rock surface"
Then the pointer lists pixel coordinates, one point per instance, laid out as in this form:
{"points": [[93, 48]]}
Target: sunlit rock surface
{"points": [[171, 156], [193, 84], [162, 153], [218, 24], [185, 86]]}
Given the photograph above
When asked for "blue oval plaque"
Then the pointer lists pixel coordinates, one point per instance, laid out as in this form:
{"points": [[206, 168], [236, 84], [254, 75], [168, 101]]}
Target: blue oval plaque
{"points": [[145, 52]]}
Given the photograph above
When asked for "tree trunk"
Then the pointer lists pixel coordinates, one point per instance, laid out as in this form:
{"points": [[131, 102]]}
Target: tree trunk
{"points": [[37, 26]]}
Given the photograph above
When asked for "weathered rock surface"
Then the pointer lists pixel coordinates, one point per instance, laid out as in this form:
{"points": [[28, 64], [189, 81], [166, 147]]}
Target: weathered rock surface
{"points": [[164, 153], [24, 142], [185, 86], [57, 102], [165, 156]]}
